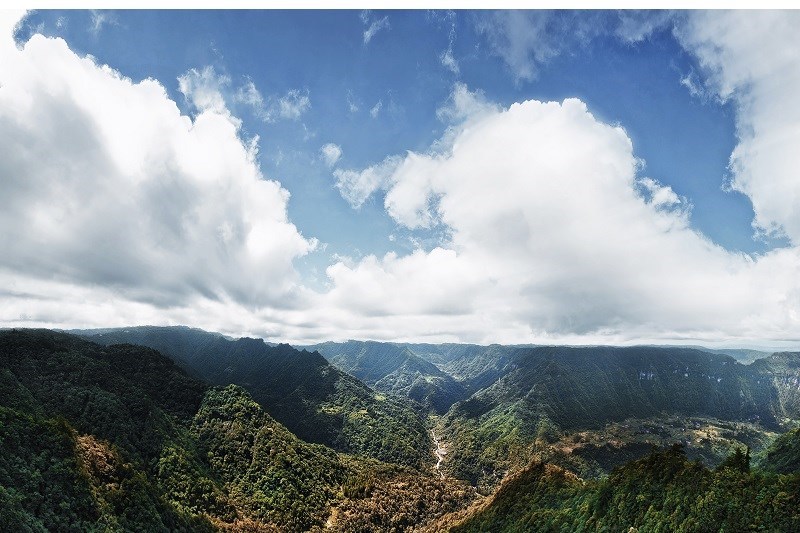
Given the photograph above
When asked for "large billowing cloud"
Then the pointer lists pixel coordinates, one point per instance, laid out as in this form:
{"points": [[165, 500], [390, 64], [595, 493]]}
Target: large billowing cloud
{"points": [[753, 59], [553, 233], [106, 184]]}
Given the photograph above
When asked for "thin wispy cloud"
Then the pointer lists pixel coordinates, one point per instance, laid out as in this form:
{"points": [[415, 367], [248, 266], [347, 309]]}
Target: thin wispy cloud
{"points": [[448, 60], [331, 153], [99, 19], [291, 106], [352, 104], [635, 26], [527, 40], [373, 25]]}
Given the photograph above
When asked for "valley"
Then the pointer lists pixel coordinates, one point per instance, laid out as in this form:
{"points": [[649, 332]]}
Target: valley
{"points": [[242, 435], [399, 269]]}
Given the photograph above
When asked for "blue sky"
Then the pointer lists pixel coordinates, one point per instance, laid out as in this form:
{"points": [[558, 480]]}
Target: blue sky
{"points": [[685, 140], [384, 87]]}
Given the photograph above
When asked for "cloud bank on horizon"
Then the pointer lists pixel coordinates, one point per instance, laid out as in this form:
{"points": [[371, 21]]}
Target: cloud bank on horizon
{"points": [[121, 209]]}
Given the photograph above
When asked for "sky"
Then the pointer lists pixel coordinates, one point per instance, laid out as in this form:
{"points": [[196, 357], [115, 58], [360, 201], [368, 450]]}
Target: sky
{"points": [[581, 177]]}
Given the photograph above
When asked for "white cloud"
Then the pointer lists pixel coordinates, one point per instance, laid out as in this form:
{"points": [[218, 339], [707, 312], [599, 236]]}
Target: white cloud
{"points": [[464, 104], [695, 87], [554, 236], [635, 26], [373, 26], [107, 188], [446, 57], [659, 195], [352, 105], [528, 40], [10, 21], [752, 59], [449, 62], [389, 286], [293, 104], [119, 210], [203, 89], [356, 186], [331, 153], [376, 109], [248, 94], [290, 106], [523, 39], [100, 19]]}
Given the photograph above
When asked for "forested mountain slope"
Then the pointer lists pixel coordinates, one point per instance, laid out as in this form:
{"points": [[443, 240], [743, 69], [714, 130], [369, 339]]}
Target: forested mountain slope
{"points": [[783, 455], [782, 370], [546, 391], [314, 399], [661, 492], [119, 438]]}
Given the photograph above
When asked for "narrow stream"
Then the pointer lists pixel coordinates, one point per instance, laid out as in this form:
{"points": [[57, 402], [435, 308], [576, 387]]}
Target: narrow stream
{"points": [[440, 453]]}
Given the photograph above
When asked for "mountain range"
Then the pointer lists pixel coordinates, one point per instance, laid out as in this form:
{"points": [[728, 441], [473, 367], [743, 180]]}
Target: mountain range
{"points": [[178, 429], [315, 400], [120, 438]]}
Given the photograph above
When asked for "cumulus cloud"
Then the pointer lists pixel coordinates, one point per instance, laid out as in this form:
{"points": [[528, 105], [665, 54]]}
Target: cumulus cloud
{"points": [[373, 26], [356, 186], [107, 185], [554, 234], [751, 59], [381, 287], [331, 153]]}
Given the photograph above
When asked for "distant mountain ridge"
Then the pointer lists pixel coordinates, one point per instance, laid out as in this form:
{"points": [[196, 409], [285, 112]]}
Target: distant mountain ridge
{"points": [[395, 369], [438, 375]]}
